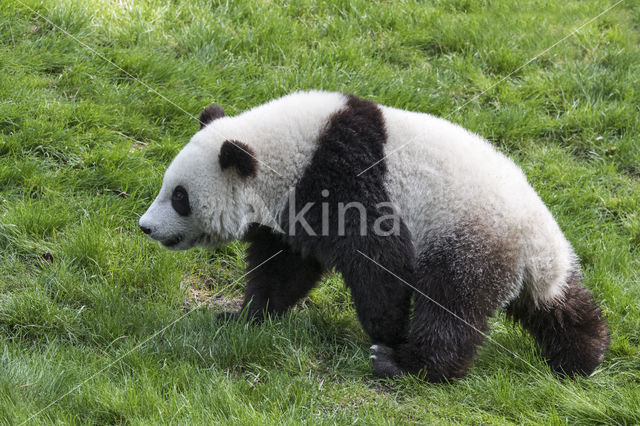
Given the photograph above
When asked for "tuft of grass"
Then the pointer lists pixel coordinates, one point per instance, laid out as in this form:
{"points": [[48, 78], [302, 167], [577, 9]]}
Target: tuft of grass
{"points": [[84, 142]]}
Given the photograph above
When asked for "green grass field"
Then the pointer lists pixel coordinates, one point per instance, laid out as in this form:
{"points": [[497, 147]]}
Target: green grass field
{"points": [[84, 143]]}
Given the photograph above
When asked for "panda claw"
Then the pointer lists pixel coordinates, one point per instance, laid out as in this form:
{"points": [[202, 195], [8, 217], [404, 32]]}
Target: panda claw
{"points": [[382, 350], [384, 363]]}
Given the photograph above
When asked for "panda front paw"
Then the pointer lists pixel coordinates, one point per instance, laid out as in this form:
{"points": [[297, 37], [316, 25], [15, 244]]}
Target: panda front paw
{"points": [[383, 362]]}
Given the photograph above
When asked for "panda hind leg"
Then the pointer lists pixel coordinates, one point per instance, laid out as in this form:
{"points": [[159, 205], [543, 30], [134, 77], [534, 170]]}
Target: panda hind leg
{"points": [[461, 280], [570, 331], [443, 337]]}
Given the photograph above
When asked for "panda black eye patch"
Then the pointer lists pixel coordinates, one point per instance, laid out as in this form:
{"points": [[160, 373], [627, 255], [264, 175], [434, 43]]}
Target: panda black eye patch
{"points": [[180, 201]]}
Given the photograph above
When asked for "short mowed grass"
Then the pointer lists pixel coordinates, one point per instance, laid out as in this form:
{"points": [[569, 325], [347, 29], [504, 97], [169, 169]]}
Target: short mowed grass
{"points": [[85, 297]]}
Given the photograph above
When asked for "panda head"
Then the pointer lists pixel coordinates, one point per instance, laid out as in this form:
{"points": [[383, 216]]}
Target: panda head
{"points": [[203, 198]]}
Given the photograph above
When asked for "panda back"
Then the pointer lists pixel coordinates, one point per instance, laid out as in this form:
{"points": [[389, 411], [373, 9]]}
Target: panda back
{"points": [[444, 177]]}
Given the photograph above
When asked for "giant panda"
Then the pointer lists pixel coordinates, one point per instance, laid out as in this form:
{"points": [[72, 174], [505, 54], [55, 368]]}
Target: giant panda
{"points": [[432, 229]]}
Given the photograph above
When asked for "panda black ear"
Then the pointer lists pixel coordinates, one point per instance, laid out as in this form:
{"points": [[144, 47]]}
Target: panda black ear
{"points": [[210, 113], [239, 156]]}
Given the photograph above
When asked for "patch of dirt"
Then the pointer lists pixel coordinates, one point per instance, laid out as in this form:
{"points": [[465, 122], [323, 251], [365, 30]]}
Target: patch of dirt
{"points": [[200, 294], [197, 298]]}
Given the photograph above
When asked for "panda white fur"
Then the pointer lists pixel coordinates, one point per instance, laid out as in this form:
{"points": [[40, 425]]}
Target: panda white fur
{"points": [[473, 235]]}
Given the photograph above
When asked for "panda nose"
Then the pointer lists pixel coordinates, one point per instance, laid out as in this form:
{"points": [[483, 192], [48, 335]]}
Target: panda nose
{"points": [[145, 229]]}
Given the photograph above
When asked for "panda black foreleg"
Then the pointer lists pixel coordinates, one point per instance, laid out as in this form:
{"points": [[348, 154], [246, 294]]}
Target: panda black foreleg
{"points": [[278, 276], [382, 302]]}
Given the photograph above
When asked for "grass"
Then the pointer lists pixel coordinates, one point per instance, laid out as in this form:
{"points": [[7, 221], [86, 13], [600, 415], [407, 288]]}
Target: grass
{"points": [[83, 146]]}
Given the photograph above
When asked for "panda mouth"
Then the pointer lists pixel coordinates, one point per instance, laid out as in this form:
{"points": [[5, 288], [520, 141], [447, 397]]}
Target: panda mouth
{"points": [[171, 242], [204, 239]]}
